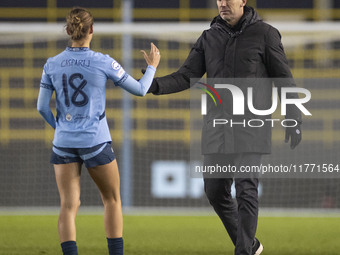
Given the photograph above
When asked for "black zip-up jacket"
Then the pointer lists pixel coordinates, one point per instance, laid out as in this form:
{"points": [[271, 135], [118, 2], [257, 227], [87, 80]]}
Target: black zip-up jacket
{"points": [[252, 50]]}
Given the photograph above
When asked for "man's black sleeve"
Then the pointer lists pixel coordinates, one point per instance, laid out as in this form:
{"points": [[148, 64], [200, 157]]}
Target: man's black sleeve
{"points": [[278, 69], [193, 67]]}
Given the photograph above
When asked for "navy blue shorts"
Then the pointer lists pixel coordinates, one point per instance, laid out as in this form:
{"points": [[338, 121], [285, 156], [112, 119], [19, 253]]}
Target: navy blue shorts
{"points": [[101, 154]]}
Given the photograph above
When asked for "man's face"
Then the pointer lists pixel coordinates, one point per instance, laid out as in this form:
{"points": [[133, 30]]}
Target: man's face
{"points": [[231, 10]]}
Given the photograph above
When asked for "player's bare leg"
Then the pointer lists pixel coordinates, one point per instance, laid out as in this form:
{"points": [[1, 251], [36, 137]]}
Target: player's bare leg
{"points": [[68, 182], [107, 179]]}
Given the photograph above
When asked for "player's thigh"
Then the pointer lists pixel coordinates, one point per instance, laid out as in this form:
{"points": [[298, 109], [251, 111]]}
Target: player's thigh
{"points": [[68, 182], [107, 179]]}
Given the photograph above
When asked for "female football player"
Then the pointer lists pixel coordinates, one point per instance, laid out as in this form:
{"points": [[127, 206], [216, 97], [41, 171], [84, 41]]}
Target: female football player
{"points": [[78, 76]]}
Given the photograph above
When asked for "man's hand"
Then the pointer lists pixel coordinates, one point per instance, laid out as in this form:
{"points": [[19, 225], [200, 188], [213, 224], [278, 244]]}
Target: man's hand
{"points": [[294, 134]]}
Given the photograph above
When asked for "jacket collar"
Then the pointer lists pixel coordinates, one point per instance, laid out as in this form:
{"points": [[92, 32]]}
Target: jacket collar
{"points": [[249, 17]]}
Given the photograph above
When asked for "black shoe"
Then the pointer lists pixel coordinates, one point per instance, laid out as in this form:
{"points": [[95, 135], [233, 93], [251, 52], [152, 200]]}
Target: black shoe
{"points": [[257, 247]]}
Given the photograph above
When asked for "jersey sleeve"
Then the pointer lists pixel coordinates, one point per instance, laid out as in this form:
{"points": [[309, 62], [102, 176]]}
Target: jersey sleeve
{"points": [[115, 71], [45, 79], [117, 74], [44, 98], [141, 87]]}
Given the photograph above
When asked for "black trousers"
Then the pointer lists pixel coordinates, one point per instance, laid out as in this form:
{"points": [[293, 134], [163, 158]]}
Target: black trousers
{"points": [[240, 220]]}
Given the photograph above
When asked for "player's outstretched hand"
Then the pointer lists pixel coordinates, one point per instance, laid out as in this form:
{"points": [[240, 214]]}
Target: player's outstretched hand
{"points": [[154, 56], [294, 134]]}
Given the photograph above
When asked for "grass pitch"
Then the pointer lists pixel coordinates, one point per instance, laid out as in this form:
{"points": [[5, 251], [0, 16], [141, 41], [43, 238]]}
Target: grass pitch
{"points": [[170, 235]]}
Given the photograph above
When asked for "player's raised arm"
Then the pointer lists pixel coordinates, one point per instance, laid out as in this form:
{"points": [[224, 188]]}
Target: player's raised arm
{"points": [[141, 87]]}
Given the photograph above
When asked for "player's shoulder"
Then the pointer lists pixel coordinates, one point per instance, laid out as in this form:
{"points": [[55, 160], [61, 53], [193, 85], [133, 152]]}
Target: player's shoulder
{"points": [[52, 62], [106, 63], [100, 56], [55, 60], [106, 59]]}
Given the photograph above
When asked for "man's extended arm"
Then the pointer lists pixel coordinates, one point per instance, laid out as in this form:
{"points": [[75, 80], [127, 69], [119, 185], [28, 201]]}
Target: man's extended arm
{"points": [[193, 67]]}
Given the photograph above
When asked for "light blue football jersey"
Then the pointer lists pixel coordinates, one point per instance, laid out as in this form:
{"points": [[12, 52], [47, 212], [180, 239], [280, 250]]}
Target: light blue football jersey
{"points": [[78, 76]]}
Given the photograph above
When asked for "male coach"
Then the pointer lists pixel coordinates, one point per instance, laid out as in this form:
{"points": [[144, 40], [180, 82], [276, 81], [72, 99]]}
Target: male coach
{"points": [[237, 45]]}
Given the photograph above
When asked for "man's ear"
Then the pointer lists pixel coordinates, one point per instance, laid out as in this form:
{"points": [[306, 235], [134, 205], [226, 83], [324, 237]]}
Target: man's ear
{"points": [[91, 29], [244, 2], [68, 31]]}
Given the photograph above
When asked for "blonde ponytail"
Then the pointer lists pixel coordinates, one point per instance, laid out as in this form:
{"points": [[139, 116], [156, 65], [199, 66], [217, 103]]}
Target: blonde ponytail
{"points": [[78, 23]]}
